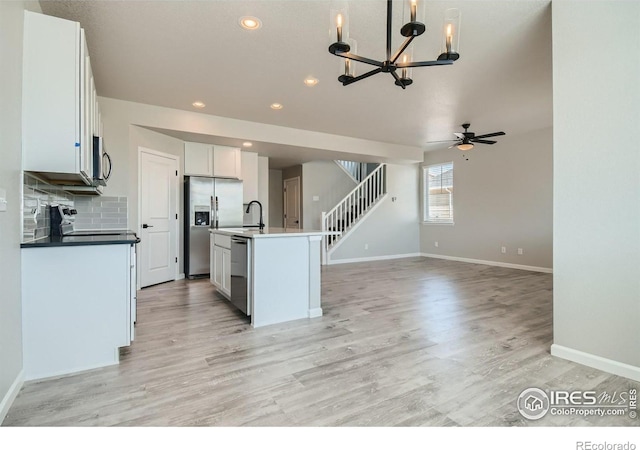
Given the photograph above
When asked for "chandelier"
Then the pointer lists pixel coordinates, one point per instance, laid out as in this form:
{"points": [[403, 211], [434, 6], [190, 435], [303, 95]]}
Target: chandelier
{"points": [[402, 59]]}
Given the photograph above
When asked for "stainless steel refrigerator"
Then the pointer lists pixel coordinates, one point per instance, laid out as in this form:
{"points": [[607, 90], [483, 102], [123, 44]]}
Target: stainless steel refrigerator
{"points": [[209, 203]]}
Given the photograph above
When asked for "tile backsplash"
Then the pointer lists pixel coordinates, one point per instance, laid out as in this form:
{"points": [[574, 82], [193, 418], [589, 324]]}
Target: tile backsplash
{"points": [[100, 213], [94, 212], [37, 196]]}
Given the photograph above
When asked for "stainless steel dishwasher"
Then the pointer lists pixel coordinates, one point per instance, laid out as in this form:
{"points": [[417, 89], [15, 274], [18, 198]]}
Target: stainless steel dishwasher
{"points": [[240, 271]]}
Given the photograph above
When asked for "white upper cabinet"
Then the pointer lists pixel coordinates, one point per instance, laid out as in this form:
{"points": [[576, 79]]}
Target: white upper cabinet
{"points": [[208, 160], [249, 177], [227, 162], [87, 110], [57, 99], [198, 159]]}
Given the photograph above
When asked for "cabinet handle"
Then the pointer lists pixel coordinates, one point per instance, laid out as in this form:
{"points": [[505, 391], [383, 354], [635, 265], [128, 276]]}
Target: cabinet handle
{"points": [[144, 225]]}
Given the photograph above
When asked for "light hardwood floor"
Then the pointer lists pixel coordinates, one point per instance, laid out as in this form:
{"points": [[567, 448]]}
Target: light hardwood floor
{"points": [[407, 342]]}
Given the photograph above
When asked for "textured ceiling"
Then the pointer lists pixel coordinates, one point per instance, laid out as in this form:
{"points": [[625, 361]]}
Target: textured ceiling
{"points": [[171, 53]]}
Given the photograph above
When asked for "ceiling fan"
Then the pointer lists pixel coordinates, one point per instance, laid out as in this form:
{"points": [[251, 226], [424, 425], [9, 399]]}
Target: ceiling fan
{"points": [[467, 139]]}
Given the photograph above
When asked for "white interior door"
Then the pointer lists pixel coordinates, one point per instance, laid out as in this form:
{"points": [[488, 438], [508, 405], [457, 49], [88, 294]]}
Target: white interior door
{"points": [[292, 203], [158, 217]]}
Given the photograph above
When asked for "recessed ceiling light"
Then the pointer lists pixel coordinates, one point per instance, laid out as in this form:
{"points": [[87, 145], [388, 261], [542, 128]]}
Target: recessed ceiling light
{"points": [[198, 104], [250, 23], [247, 144], [310, 81], [276, 106]]}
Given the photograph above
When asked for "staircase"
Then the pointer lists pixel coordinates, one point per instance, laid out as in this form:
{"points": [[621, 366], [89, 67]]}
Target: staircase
{"points": [[358, 171], [350, 211]]}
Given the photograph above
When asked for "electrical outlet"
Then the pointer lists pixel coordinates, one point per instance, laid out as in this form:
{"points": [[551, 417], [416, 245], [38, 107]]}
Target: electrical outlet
{"points": [[435, 244], [366, 246], [503, 249], [520, 252]]}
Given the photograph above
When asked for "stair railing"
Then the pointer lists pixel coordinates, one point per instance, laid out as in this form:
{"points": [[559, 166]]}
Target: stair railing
{"points": [[353, 207]]}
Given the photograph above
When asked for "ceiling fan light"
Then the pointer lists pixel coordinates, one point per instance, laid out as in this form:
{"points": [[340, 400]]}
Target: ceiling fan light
{"points": [[463, 147]]}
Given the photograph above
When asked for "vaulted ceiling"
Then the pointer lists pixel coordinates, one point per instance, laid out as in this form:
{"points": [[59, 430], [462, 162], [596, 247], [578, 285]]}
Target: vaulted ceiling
{"points": [[172, 53]]}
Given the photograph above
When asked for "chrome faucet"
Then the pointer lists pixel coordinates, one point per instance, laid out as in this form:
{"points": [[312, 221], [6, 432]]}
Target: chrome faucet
{"points": [[261, 224]]}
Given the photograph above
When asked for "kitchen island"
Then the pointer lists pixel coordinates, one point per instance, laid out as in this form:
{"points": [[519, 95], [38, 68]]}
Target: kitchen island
{"points": [[282, 272]]}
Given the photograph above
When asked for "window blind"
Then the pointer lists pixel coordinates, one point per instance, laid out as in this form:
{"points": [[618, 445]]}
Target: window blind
{"points": [[439, 193]]}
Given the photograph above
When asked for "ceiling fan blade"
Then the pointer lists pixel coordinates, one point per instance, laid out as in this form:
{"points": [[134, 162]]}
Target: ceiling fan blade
{"points": [[438, 142], [481, 141], [454, 145], [460, 135], [499, 133]]}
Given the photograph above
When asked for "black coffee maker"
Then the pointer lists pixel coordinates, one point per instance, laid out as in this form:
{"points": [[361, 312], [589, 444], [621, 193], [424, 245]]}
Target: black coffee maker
{"points": [[61, 219]]}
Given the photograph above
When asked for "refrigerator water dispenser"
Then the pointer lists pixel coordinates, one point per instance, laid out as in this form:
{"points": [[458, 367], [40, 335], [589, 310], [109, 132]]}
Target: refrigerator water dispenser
{"points": [[202, 216]]}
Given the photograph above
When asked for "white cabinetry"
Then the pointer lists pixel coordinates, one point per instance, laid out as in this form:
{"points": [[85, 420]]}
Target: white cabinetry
{"points": [[249, 177], [220, 263], [58, 103], [75, 317], [133, 293], [212, 261], [198, 159], [226, 271], [208, 160], [227, 162]]}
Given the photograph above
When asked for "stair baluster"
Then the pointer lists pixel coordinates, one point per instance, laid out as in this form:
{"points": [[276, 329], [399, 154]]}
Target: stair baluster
{"points": [[354, 206]]}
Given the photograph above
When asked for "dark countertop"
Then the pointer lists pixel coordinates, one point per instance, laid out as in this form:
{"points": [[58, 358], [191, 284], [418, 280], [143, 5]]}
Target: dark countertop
{"points": [[125, 237]]}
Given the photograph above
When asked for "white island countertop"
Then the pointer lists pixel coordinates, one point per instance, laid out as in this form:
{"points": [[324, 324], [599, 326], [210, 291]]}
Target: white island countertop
{"points": [[271, 232]]}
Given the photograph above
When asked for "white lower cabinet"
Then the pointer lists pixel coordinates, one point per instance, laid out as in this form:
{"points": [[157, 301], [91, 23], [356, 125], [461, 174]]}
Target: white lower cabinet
{"points": [[212, 259], [220, 263], [76, 314], [217, 257], [133, 293], [226, 271]]}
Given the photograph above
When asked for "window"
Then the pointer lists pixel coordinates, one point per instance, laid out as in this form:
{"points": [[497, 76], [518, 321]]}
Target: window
{"points": [[438, 193]]}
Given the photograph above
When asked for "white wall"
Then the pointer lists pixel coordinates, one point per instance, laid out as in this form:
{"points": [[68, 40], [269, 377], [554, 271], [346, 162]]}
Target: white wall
{"points": [[263, 187], [503, 196], [118, 116], [596, 90], [11, 20], [275, 199], [329, 183], [393, 228]]}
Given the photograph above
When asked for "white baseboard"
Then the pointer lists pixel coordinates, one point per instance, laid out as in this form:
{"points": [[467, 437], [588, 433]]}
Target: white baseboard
{"points": [[180, 276], [372, 258], [597, 362], [490, 263], [11, 395], [315, 312]]}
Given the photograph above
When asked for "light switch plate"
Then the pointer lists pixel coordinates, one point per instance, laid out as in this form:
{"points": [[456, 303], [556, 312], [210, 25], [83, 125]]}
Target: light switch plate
{"points": [[316, 198]]}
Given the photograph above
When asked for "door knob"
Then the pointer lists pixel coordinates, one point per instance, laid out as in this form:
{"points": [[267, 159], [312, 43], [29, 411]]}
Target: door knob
{"points": [[144, 225]]}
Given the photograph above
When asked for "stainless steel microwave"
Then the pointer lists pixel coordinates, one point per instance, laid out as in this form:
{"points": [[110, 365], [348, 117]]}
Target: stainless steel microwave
{"points": [[101, 163]]}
